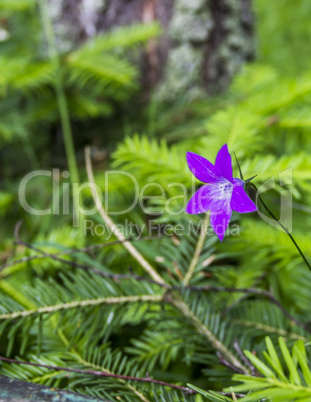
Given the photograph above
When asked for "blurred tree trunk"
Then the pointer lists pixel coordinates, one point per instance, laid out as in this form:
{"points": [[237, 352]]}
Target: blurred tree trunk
{"points": [[203, 45]]}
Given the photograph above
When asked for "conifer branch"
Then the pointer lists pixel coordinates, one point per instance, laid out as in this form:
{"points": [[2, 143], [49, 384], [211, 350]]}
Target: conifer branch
{"points": [[122, 381], [270, 329], [87, 249], [132, 276], [102, 374], [131, 249], [253, 291], [85, 267], [244, 359], [203, 330], [81, 303]]}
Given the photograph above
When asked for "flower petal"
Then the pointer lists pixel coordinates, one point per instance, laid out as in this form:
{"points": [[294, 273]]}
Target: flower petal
{"points": [[201, 168], [200, 201], [240, 201], [238, 182], [211, 197], [220, 219], [223, 163]]}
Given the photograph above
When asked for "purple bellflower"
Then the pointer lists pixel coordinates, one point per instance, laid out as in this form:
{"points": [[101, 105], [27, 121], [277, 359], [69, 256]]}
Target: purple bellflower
{"points": [[223, 193]]}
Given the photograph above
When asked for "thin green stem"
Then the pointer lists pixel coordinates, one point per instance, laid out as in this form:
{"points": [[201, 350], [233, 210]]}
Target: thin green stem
{"points": [[198, 249], [281, 225], [62, 103]]}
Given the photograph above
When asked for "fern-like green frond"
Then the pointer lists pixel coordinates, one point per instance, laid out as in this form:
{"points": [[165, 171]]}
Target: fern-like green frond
{"points": [[278, 382]]}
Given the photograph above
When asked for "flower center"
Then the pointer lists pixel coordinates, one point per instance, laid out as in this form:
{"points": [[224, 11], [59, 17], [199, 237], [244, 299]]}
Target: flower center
{"points": [[225, 189]]}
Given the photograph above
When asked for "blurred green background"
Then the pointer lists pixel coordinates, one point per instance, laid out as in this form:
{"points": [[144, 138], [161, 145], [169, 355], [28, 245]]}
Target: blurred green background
{"points": [[102, 88], [52, 105]]}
